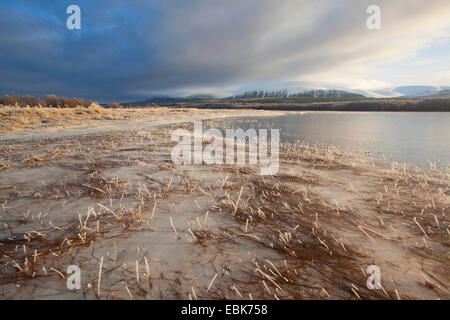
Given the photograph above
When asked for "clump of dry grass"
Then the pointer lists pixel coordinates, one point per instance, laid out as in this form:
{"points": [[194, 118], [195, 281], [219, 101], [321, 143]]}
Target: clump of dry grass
{"points": [[47, 156], [316, 155], [4, 165], [95, 108]]}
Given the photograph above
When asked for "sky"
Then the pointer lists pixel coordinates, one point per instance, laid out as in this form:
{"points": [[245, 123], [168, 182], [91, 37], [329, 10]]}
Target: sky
{"points": [[127, 50]]}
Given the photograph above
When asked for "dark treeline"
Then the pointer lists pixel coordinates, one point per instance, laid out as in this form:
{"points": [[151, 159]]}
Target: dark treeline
{"points": [[50, 101], [423, 105]]}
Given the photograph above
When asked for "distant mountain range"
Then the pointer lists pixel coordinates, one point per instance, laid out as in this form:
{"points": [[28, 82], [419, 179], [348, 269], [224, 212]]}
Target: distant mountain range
{"points": [[402, 92], [161, 99], [255, 94], [312, 93], [442, 94], [409, 92]]}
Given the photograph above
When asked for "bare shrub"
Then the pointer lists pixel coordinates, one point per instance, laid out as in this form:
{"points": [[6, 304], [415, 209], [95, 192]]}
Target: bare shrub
{"points": [[73, 103], [7, 100], [51, 100]]}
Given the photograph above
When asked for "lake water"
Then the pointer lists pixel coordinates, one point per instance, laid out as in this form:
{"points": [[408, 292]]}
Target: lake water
{"points": [[411, 137]]}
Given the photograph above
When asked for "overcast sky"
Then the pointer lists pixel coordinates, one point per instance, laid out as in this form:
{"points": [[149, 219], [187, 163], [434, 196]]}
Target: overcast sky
{"points": [[131, 49]]}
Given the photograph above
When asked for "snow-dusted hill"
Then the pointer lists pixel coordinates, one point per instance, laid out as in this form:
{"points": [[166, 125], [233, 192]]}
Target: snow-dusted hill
{"points": [[408, 92]]}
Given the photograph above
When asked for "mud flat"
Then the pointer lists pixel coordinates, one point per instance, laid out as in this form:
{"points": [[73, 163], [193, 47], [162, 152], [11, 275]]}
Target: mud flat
{"points": [[104, 195]]}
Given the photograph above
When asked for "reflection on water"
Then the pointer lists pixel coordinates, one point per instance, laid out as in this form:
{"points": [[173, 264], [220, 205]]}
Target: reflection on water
{"points": [[412, 137]]}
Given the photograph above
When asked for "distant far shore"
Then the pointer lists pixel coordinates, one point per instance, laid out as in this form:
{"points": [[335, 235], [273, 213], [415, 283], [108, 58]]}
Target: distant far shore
{"points": [[392, 105], [434, 104]]}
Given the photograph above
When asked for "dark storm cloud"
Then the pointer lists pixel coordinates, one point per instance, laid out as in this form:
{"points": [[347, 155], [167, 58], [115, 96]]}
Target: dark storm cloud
{"points": [[130, 49]]}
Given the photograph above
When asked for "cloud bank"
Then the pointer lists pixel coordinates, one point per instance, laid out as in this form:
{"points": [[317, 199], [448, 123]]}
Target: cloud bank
{"points": [[132, 49]]}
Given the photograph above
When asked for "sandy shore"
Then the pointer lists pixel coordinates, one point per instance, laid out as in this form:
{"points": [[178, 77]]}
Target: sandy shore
{"points": [[103, 194]]}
